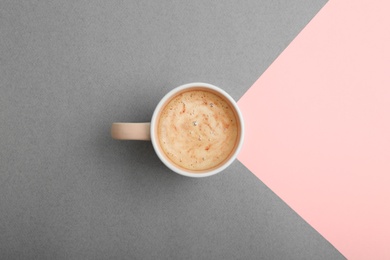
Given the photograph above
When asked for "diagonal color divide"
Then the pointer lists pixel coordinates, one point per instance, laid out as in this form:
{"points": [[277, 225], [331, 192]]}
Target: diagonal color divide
{"points": [[318, 126]]}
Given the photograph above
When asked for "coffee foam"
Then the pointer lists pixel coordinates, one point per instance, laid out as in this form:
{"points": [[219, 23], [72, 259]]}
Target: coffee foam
{"points": [[198, 130]]}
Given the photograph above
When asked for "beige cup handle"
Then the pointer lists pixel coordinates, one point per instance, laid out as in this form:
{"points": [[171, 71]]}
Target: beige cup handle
{"points": [[131, 131]]}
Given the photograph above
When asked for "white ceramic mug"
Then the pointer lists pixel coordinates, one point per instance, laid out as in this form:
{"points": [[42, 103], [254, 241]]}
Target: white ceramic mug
{"points": [[148, 131]]}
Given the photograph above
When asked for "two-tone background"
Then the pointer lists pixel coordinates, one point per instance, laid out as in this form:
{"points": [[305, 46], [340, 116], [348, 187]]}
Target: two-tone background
{"points": [[68, 69]]}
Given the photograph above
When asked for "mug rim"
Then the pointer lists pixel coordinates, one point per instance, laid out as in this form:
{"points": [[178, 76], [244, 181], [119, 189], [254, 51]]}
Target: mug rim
{"points": [[154, 137]]}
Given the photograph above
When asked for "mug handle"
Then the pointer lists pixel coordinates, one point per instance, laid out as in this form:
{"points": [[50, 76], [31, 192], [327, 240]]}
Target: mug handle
{"points": [[131, 131]]}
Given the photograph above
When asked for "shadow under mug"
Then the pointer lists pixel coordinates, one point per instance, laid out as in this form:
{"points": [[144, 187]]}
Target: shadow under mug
{"points": [[148, 131]]}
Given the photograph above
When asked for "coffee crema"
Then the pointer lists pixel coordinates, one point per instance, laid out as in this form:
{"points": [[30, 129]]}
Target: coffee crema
{"points": [[198, 130]]}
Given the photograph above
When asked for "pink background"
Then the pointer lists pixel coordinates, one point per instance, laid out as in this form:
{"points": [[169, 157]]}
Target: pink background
{"points": [[318, 126]]}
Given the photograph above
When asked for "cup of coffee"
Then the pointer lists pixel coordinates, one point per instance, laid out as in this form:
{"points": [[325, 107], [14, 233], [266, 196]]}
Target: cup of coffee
{"points": [[197, 130]]}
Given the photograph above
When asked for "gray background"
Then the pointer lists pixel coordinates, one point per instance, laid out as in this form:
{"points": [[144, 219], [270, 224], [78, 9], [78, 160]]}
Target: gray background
{"points": [[71, 68]]}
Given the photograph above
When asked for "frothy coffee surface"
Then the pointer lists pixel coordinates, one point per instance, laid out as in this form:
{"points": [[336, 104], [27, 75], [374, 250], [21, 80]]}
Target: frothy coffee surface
{"points": [[197, 130]]}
